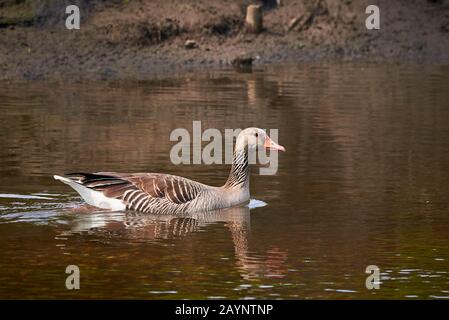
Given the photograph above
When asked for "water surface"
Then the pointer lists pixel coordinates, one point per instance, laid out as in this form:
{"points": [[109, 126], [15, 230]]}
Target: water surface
{"points": [[364, 181]]}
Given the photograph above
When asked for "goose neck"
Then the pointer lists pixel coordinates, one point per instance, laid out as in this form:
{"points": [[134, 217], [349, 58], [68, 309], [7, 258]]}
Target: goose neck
{"points": [[239, 175]]}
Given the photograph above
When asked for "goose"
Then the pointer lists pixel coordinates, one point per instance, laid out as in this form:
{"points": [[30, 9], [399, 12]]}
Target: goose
{"points": [[159, 193]]}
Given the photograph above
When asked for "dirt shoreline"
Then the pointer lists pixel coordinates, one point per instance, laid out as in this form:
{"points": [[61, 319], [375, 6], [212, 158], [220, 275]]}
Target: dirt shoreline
{"points": [[136, 39]]}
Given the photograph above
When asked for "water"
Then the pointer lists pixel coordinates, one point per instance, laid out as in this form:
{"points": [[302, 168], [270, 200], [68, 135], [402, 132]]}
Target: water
{"points": [[364, 181]]}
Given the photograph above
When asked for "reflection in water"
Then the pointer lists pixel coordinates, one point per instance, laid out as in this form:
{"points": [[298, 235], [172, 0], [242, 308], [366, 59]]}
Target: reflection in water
{"points": [[151, 227], [364, 182]]}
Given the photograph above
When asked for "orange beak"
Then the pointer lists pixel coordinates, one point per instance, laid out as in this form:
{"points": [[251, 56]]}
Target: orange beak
{"points": [[270, 144]]}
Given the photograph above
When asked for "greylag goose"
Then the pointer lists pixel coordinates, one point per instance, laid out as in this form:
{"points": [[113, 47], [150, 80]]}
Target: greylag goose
{"points": [[168, 194]]}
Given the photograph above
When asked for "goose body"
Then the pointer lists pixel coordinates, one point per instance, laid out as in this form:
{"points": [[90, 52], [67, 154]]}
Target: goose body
{"points": [[158, 193]]}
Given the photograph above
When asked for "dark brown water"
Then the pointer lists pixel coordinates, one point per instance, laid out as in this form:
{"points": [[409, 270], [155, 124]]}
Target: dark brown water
{"points": [[364, 181]]}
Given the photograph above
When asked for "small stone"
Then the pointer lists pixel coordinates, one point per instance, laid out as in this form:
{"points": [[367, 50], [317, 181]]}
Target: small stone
{"points": [[243, 60], [190, 44]]}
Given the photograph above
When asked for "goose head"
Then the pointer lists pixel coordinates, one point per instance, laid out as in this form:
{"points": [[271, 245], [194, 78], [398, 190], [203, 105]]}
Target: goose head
{"points": [[254, 138]]}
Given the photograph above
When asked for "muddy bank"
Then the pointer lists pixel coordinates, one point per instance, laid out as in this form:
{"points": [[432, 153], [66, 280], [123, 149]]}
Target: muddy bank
{"points": [[135, 39]]}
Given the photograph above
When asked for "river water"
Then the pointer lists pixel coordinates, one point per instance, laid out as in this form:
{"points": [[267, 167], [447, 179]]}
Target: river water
{"points": [[364, 181]]}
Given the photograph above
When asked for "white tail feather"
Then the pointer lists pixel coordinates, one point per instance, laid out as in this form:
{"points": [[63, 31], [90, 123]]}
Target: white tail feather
{"points": [[93, 197]]}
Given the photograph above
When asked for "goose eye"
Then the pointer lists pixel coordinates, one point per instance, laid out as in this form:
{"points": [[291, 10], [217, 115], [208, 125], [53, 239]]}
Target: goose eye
{"points": [[257, 134]]}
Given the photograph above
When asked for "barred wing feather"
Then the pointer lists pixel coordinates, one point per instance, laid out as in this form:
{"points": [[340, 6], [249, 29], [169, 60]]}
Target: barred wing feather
{"points": [[145, 192]]}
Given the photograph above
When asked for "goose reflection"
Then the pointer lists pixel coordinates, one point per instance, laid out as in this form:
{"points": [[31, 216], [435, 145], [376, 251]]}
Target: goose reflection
{"points": [[156, 228]]}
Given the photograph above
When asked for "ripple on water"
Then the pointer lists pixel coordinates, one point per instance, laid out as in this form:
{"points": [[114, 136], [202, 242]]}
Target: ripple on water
{"points": [[32, 208], [254, 203], [265, 286], [163, 292], [340, 290], [25, 196], [438, 297]]}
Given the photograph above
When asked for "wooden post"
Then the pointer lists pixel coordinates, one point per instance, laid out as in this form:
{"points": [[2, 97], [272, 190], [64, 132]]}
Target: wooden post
{"points": [[254, 18]]}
